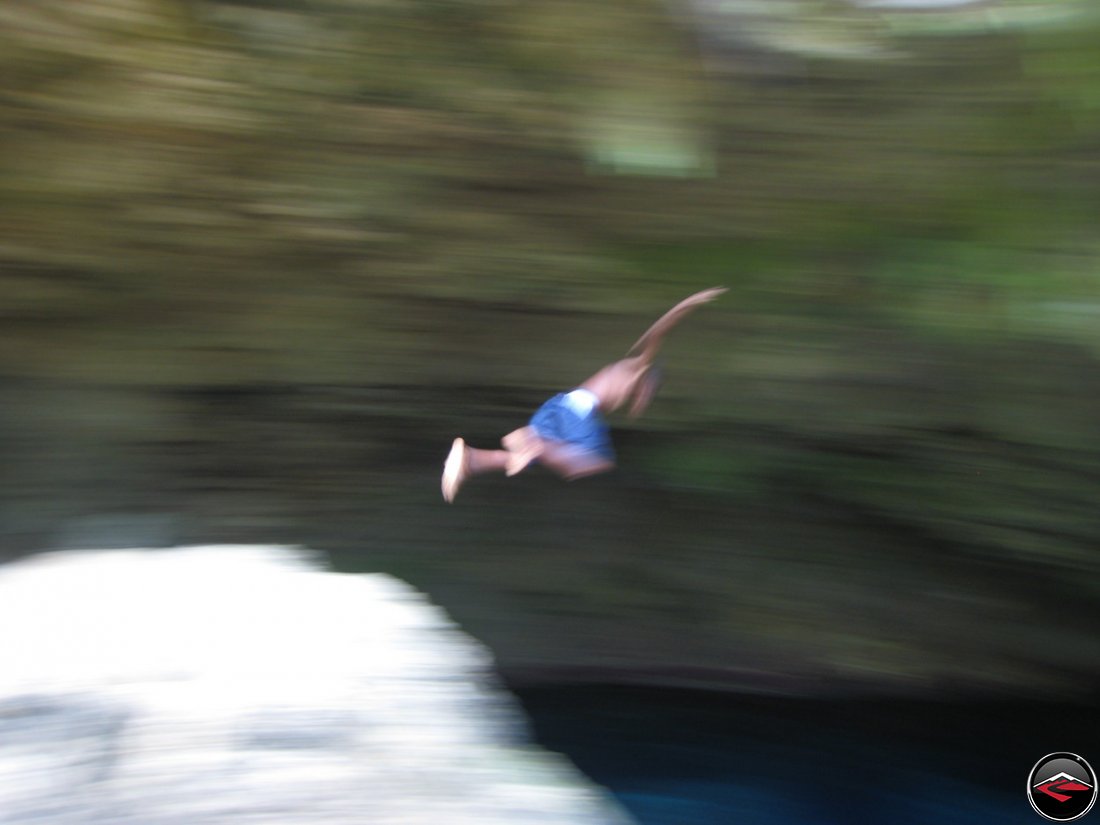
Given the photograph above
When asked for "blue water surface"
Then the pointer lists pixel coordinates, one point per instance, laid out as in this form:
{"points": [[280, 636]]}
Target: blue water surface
{"points": [[675, 757]]}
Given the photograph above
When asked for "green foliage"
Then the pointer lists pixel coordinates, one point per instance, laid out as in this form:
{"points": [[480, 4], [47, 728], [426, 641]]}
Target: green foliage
{"points": [[262, 259]]}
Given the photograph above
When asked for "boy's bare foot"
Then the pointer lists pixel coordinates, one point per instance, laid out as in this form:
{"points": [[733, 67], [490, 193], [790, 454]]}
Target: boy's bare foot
{"points": [[454, 470]]}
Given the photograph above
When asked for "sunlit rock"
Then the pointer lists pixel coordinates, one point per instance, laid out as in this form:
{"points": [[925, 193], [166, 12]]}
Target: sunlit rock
{"points": [[245, 684]]}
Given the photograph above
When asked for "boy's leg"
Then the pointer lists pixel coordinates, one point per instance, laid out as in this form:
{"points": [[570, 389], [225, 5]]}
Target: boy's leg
{"points": [[567, 460], [464, 461], [524, 446], [571, 462]]}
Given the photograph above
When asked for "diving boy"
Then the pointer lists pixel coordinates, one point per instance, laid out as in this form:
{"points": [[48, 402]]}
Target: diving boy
{"points": [[569, 433]]}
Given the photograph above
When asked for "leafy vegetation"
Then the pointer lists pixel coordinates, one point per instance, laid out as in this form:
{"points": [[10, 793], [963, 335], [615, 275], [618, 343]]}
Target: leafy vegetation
{"points": [[262, 260]]}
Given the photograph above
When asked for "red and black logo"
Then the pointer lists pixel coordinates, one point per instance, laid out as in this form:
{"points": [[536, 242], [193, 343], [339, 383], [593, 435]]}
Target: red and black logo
{"points": [[1062, 787]]}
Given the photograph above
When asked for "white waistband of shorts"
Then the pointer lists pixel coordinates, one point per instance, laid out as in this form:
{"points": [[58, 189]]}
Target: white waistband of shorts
{"points": [[581, 401]]}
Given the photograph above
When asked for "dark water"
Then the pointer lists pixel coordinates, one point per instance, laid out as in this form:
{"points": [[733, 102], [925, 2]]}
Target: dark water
{"points": [[689, 758]]}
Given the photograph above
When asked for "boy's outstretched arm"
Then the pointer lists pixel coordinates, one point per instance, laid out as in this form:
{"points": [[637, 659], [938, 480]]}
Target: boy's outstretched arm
{"points": [[645, 348]]}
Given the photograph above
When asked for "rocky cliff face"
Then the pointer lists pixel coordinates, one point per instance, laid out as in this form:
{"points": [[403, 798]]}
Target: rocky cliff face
{"points": [[260, 261], [220, 684]]}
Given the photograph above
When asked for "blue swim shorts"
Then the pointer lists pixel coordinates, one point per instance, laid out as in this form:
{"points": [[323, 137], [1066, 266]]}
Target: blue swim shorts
{"points": [[574, 418]]}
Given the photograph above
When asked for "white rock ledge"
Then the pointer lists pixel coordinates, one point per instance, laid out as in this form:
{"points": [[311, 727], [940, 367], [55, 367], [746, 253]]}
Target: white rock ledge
{"points": [[208, 685]]}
